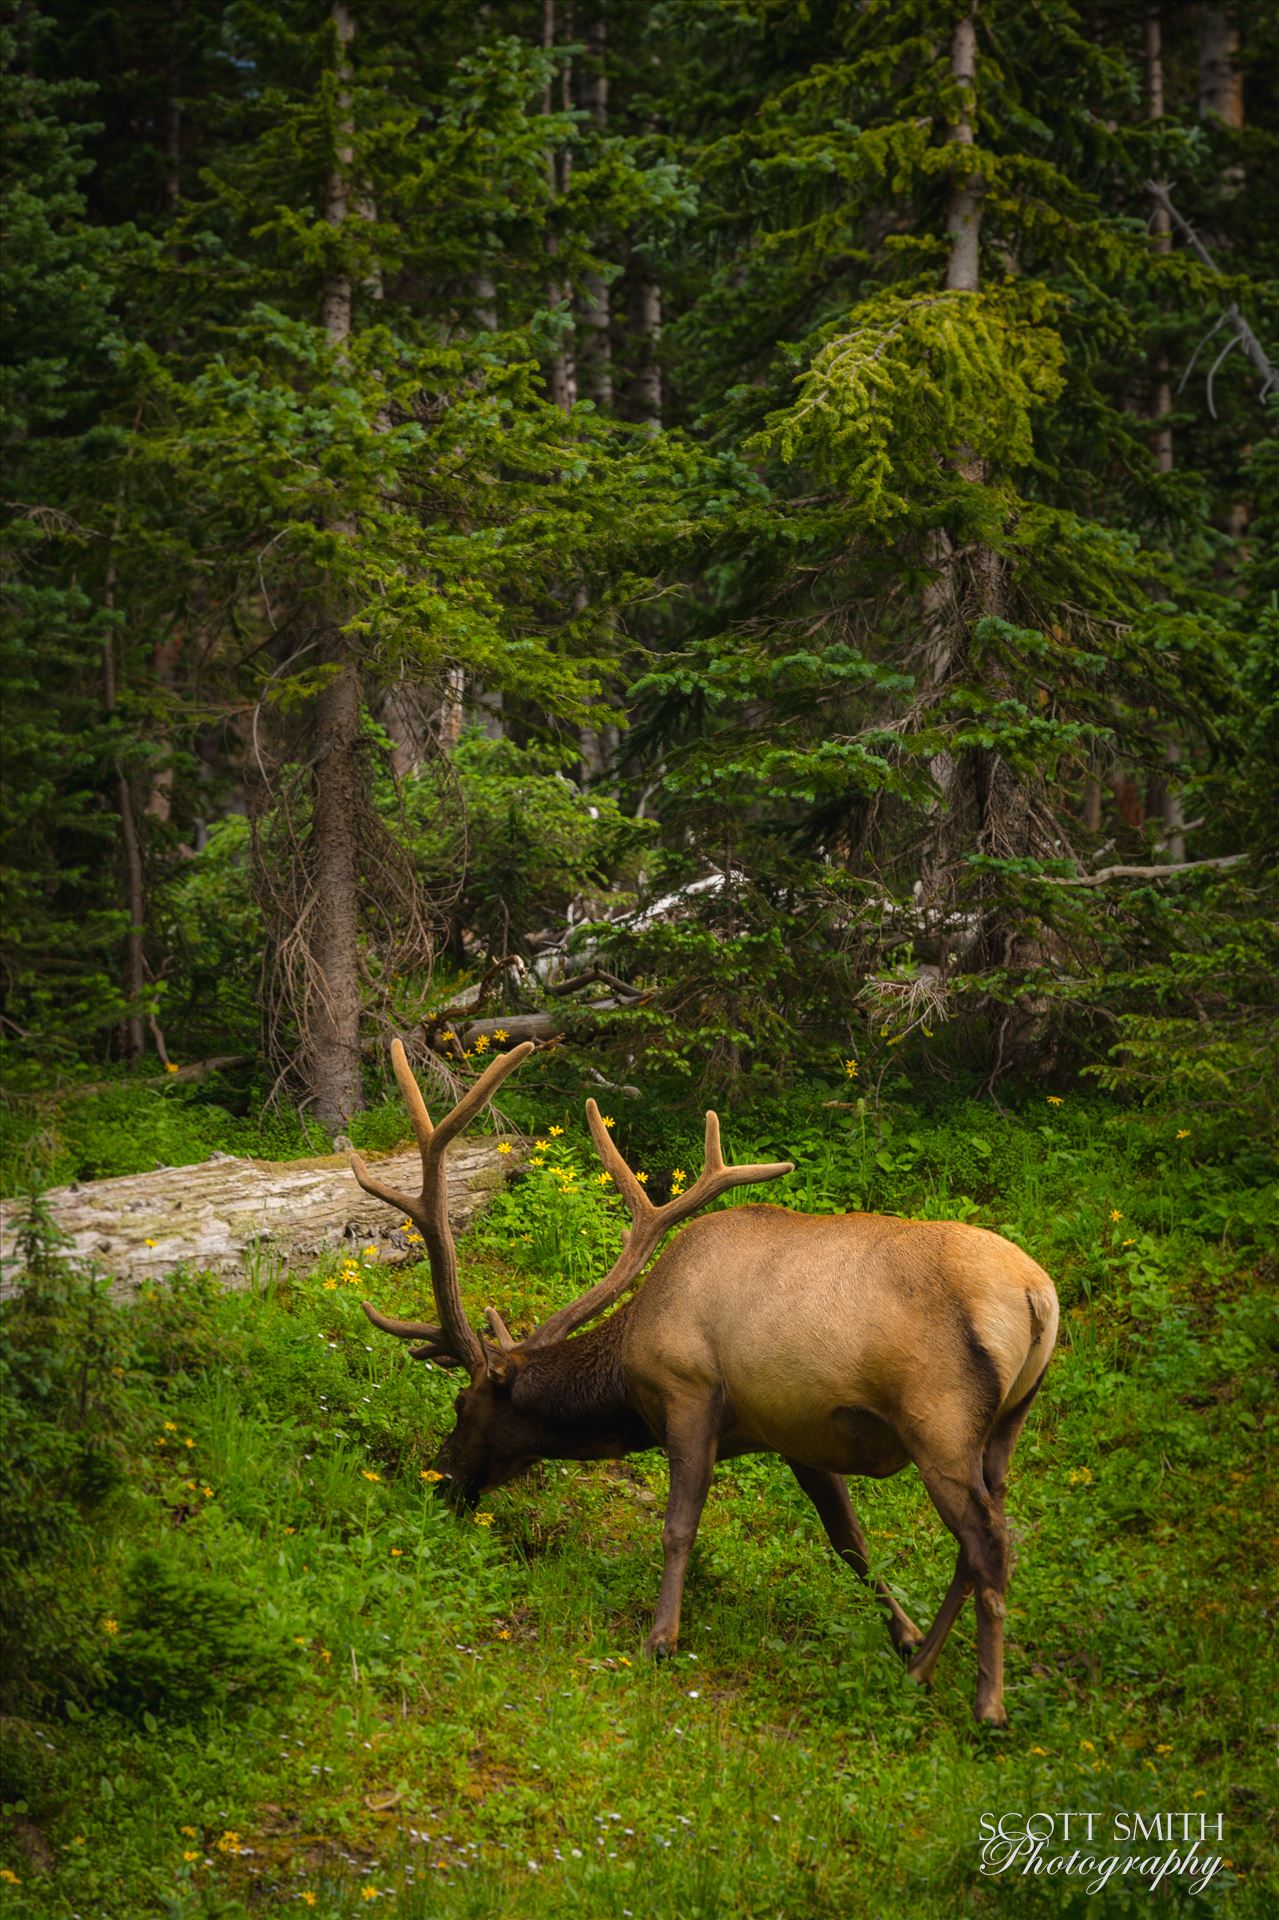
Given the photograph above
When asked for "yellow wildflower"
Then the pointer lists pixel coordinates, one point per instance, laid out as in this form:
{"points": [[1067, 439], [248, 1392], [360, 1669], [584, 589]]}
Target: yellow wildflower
{"points": [[607, 1120], [148, 1243], [189, 1855], [642, 1177], [1080, 1476], [850, 1069], [330, 1286], [369, 1893], [290, 1529], [1041, 1751], [1183, 1133], [678, 1173], [503, 1633], [325, 1654], [504, 1146], [602, 1179], [190, 1832], [500, 1033], [1127, 1243], [1163, 1749], [397, 1553], [448, 1035], [188, 1442], [368, 1474], [111, 1627], [79, 1839], [299, 1640], [483, 1519], [9, 1877], [307, 1897], [170, 1066], [481, 1043], [368, 1253], [1115, 1214], [555, 1132], [230, 1842], [207, 1492], [540, 1145], [537, 1161], [1087, 1746], [170, 1426], [1054, 1099], [430, 1476]]}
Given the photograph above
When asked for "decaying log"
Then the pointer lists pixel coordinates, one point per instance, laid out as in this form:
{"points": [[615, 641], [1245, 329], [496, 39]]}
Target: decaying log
{"points": [[241, 1218]]}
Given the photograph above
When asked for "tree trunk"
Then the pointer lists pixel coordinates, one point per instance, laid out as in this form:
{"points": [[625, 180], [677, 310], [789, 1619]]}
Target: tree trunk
{"points": [[1220, 71], [332, 1038], [595, 348], [1161, 240], [964, 208], [561, 375], [134, 897], [646, 327], [173, 112]]}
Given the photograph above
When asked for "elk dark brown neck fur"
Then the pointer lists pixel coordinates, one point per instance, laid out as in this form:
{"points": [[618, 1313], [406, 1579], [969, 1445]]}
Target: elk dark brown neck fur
{"points": [[576, 1392], [846, 1343]]}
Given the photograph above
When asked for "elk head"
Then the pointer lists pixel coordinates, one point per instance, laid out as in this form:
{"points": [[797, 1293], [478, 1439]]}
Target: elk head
{"points": [[501, 1428]]}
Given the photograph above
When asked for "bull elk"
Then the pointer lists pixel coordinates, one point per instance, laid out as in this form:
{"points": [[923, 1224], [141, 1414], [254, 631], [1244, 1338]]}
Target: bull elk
{"points": [[849, 1344]]}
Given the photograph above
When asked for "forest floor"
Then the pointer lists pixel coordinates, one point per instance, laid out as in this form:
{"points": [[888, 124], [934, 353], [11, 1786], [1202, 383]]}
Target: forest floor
{"points": [[255, 1664]]}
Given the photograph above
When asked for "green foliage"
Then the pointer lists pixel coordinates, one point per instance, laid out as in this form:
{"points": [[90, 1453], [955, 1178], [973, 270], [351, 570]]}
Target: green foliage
{"points": [[188, 1642], [489, 1673], [531, 840]]}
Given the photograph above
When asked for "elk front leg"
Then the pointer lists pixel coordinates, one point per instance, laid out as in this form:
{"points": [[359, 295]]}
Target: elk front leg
{"points": [[690, 1447], [829, 1495]]}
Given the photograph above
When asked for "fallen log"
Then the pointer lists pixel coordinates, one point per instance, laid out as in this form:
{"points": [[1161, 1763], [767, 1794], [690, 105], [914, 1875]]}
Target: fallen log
{"points": [[243, 1218]]}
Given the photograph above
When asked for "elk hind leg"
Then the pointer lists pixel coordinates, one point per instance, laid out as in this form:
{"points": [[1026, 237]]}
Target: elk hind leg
{"points": [[829, 1495], [961, 1496], [690, 1446]]}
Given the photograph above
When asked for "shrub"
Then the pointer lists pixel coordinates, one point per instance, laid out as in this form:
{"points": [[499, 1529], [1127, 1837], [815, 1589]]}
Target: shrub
{"points": [[188, 1642]]}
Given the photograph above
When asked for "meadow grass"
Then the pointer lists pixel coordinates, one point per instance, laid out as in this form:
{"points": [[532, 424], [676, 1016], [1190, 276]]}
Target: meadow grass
{"points": [[434, 1716]]}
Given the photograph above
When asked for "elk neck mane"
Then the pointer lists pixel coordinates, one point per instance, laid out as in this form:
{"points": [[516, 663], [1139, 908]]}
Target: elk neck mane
{"points": [[577, 1385]]}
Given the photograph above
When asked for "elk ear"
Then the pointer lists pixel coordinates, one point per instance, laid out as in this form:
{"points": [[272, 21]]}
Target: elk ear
{"points": [[501, 1371]]}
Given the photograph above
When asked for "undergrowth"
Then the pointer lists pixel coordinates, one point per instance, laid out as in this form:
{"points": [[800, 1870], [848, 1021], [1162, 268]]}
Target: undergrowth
{"points": [[254, 1664]]}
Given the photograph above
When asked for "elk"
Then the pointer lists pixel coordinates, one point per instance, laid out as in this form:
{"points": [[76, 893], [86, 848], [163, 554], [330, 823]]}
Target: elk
{"points": [[848, 1344]]}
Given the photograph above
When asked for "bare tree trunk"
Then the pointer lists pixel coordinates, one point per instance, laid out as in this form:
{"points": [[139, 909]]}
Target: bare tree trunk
{"points": [[333, 1003], [134, 897], [561, 377], [646, 326], [964, 209], [173, 113], [1161, 239], [332, 1037], [1220, 71], [595, 348], [1168, 790], [164, 667]]}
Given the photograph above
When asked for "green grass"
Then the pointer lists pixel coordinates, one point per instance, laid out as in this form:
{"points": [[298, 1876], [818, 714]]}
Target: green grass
{"points": [[465, 1724]]}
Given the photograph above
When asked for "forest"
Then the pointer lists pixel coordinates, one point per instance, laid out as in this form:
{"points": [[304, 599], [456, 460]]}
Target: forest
{"points": [[735, 541]]}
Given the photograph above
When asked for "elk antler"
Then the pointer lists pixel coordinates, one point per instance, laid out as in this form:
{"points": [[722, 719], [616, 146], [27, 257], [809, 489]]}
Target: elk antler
{"points": [[650, 1222], [453, 1338]]}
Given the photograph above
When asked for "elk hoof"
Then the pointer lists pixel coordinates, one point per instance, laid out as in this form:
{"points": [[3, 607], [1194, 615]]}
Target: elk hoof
{"points": [[992, 1714], [660, 1648]]}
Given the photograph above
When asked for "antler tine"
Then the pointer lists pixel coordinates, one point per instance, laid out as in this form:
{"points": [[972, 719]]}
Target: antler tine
{"points": [[407, 1082], [478, 1095], [650, 1222], [454, 1337], [623, 1179]]}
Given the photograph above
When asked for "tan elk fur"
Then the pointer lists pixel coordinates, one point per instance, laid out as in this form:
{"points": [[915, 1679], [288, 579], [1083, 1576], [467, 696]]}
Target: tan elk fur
{"points": [[846, 1343]]}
